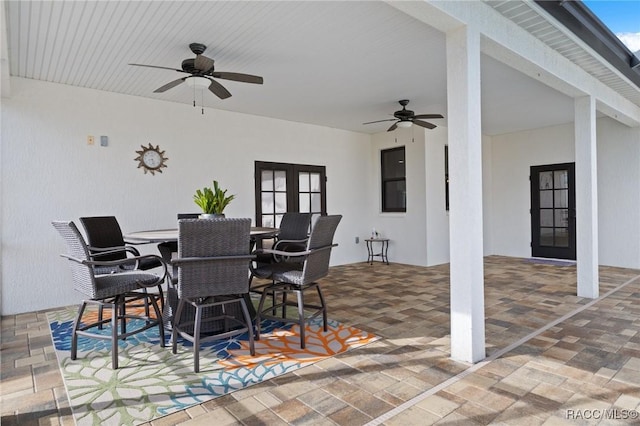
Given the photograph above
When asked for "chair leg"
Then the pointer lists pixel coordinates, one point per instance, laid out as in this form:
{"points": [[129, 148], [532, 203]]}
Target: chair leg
{"points": [[223, 307], [196, 340], [161, 296], [174, 328], [146, 303], [74, 334], [301, 318], [259, 312], [273, 299], [114, 333], [100, 309], [247, 319], [156, 309], [284, 303], [123, 312], [324, 308]]}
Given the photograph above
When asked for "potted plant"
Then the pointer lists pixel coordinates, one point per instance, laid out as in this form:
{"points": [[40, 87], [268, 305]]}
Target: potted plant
{"points": [[212, 201]]}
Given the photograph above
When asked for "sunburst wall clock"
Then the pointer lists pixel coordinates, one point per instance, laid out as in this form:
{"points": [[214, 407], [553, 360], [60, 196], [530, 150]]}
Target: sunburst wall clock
{"points": [[151, 159]]}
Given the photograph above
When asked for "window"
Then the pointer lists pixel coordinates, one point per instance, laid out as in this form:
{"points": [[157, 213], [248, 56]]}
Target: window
{"points": [[394, 182], [446, 177], [282, 187]]}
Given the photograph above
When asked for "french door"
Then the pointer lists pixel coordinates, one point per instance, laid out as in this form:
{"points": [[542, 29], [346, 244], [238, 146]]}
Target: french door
{"points": [[553, 211], [282, 187]]}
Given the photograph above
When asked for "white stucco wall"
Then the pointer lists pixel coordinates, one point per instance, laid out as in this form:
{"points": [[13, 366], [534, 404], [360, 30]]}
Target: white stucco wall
{"points": [[512, 156], [406, 231], [618, 194], [437, 214], [618, 187], [424, 240], [49, 172]]}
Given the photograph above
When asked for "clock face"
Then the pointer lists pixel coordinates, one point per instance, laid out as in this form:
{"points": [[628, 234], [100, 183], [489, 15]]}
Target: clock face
{"points": [[151, 159]]}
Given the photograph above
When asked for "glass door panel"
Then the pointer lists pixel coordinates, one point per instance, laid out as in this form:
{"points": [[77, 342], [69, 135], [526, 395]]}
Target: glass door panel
{"points": [[282, 187], [273, 197], [553, 211]]}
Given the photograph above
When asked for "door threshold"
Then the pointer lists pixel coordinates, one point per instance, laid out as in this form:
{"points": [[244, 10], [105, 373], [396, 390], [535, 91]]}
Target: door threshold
{"points": [[551, 261]]}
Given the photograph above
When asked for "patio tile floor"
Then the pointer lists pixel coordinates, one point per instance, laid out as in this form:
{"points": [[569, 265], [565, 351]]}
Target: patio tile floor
{"points": [[588, 361]]}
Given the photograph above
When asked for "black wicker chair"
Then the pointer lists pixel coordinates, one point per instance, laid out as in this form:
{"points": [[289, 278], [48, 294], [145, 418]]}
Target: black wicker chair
{"points": [[296, 277], [113, 290], [105, 235], [106, 243], [213, 272], [168, 248], [293, 234]]}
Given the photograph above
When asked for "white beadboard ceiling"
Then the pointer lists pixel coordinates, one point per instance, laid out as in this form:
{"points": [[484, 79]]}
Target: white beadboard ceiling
{"points": [[335, 64]]}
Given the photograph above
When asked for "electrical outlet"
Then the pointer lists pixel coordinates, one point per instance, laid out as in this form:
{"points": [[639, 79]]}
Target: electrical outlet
{"points": [[91, 140], [104, 140], [357, 240]]}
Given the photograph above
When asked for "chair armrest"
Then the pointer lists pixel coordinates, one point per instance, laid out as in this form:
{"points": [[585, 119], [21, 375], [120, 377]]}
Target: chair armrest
{"points": [[184, 260], [99, 251], [121, 262], [295, 253], [280, 242]]}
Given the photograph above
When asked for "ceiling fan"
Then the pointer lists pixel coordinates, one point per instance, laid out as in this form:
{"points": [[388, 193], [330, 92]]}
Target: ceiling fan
{"points": [[405, 117], [202, 73]]}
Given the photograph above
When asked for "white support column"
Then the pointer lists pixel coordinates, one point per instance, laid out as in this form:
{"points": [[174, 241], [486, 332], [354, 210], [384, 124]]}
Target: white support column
{"points": [[586, 197], [465, 192]]}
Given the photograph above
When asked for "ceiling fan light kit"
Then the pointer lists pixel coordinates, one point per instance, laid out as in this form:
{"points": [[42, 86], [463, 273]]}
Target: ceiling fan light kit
{"points": [[198, 82], [405, 118]]}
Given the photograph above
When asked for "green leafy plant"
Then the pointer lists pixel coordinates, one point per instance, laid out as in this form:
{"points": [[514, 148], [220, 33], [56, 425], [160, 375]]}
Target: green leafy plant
{"points": [[212, 201]]}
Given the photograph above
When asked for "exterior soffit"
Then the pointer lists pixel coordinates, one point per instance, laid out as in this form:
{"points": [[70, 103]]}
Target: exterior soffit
{"points": [[525, 40]]}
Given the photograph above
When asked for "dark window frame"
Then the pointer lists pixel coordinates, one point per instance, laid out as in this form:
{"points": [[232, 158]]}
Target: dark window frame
{"points": [[292, 170], [384, 180], [446, 177]]}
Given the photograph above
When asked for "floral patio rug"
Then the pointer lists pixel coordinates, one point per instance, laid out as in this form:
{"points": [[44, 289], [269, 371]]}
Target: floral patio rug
{"points": [[152, 382]]}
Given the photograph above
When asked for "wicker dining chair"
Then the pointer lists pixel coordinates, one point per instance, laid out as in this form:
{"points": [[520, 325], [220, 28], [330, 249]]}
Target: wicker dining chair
{"points": [[105, 235], [213, 278], [168, 248], [106, 242], [113, 290], [296, 278], [293, 234]]}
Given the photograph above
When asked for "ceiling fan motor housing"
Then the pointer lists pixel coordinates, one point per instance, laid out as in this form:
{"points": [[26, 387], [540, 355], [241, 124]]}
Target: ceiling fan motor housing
{"points": [[188, 65], [404, 114]]}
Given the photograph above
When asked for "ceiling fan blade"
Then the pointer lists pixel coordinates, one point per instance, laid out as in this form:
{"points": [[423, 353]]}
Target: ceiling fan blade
{"points": [[392, 128], [168, 86], [155, 66], [380, 121], [424, 124], [234, 76], [203, 63], [219, 90], [428, 116]]}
